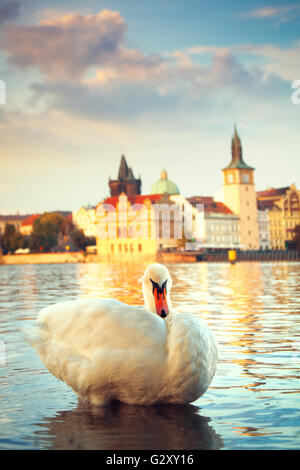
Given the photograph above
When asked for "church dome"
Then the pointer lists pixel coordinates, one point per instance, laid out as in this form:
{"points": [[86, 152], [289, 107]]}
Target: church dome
{"points": [[164, 185]]}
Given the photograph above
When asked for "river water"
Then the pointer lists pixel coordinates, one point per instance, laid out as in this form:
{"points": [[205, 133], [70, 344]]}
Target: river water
{"points": [[252, 403]]}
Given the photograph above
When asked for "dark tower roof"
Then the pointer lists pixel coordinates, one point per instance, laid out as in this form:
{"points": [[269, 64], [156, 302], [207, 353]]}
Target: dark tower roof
{"points": [[123, 169], [126, 182], [237, 154]]}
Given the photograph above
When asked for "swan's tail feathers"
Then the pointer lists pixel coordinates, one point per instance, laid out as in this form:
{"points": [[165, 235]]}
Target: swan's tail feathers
{"points": [[36, 334]]}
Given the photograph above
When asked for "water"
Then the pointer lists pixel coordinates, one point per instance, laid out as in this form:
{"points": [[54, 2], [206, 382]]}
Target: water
{"points": [[253, 401]]}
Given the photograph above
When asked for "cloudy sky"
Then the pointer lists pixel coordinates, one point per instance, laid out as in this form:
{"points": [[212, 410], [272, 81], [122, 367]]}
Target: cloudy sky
{"points": [[162, 81]]}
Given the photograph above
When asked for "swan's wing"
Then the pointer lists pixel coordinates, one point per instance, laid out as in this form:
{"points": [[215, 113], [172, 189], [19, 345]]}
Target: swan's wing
{"points": [[89, 325]]}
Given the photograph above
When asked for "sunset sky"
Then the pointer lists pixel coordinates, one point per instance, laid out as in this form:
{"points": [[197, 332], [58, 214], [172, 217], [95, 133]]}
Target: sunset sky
{"points": [[162, 81]]}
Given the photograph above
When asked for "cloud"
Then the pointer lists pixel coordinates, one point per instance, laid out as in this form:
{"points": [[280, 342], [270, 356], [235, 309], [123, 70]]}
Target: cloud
{"points": [[281, 62], [65, 46], [283, 14], [88, 71], [9, 9], [104, 103]]}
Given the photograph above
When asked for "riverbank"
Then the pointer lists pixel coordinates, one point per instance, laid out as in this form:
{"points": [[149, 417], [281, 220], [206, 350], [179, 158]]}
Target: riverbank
{"points": [[162, 257], [246, 255], [49, 258]]}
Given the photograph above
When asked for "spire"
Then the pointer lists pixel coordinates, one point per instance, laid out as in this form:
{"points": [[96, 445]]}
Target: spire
{"points": [[237, 153], [123, 169], [130, 175]]}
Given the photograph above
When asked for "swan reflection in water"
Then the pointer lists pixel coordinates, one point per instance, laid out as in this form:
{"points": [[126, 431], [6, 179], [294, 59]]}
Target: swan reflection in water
{"points": [[126, 427]]}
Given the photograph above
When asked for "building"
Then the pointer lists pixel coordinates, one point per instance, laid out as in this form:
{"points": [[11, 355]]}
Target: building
{"points": [[240, 195], [263, 225], [125, 226], [27, 225], [284, 214], [221, 227], [85, 219], [126, 182], [164, 185], [15, 220]]}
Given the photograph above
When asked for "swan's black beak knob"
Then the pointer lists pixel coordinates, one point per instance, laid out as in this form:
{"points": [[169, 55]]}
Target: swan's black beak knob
{"points": [[163, 314]]}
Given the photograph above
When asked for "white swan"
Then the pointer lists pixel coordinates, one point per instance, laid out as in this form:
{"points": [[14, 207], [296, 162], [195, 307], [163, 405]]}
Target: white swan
{"points": [[107, 350]]}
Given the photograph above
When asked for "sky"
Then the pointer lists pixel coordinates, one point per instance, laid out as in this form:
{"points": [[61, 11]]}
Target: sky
{"points": [[161, 81]]}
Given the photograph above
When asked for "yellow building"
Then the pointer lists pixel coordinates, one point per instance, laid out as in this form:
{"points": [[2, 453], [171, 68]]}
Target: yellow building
{"points": [[85, 220], [284, 213], [124, 226], [240, 195]]}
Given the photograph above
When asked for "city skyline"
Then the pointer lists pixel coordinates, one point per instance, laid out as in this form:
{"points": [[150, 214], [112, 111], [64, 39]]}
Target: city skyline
{"points": [[162, 83]]}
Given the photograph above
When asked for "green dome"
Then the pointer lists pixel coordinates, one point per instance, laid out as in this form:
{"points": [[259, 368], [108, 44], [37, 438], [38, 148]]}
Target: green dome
{"points": [[164, 185]]}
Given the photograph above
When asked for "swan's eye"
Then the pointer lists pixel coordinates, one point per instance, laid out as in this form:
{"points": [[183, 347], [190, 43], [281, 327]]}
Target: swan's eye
{"points": [[160, 290], [154, 285]]}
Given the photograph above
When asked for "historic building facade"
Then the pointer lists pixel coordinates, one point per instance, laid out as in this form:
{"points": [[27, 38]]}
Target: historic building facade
{"points": [[283, 205], [240, 195], [85, 220], [263, 226], [124, 226], [221, 227]]}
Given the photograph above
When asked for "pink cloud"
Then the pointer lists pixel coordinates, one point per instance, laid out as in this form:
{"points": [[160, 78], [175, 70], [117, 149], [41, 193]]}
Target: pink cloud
{"points": [[66, 46]]}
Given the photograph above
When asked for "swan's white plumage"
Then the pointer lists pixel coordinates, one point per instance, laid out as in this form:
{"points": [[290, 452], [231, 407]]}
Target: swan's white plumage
{"points": [[108, 350]]}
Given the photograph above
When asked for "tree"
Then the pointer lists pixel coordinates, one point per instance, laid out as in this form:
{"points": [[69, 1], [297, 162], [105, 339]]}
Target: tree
{"points": [[80, 240], [11, 239], [45, 231]]}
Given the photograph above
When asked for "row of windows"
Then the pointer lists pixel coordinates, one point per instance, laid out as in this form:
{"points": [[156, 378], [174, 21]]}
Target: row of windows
{"points": [[223, 228], [221, 239], [125, 248]]}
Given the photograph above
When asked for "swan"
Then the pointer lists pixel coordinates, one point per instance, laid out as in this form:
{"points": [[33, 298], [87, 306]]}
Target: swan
{"points": [[106, 350]]}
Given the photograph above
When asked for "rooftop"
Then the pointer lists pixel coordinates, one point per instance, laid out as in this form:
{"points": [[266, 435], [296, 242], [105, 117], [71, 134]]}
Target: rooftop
{"points": [[273, 192], [210, 205], [135, 199], [237, 154], [164, 185]]}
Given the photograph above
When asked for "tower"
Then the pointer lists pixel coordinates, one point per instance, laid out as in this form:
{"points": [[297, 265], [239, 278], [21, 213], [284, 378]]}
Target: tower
{"points": [[126, 182], [240, 195]]}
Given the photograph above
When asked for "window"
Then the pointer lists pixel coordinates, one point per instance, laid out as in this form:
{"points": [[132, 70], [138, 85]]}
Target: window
{"points": [[112, 248], [230, 178], [245, 178], [120, 247], [140, 247]]}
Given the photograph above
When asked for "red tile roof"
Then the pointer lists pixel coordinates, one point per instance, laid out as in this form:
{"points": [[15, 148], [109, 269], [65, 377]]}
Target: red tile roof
{"points": [[30, 220], [273, 192], [210, 205], [137, 199], [218, 207], [263, 205]]}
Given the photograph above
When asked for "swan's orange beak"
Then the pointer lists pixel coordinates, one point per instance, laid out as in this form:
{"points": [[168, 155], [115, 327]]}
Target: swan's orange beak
{"points": [[161, 304]]}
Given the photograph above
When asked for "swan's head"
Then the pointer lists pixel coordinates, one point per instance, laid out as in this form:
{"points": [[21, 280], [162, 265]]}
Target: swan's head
{"points": [[157, 284]]}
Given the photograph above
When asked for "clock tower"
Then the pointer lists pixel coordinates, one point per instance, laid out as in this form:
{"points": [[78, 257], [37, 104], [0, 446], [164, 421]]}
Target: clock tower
{"points": [[240, 194]]}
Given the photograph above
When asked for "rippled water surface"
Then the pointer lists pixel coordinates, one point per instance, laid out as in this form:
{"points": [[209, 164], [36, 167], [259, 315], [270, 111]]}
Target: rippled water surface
{"points": [[253, 401]]}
